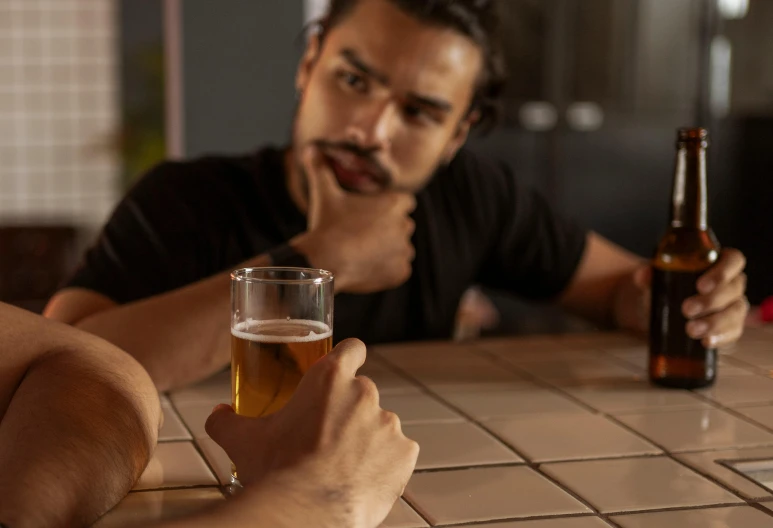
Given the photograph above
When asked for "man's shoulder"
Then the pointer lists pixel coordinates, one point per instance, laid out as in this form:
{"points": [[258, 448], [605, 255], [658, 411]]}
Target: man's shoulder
{"points": [[207, 173]]}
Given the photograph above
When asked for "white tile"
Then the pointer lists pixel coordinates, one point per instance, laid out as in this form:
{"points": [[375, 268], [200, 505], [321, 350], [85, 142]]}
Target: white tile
{"points": [[634, 396], [403, 516], [710, 463], [143, 508], [697, 430], [173, 428], [175, 464], [214, 390], [552, 437], [488, 494], [441, 353], [217, 458], [455, 377], [418, 408], [638, 484], [486, 405], [195, 415], [446, 445], [739, 390], [760, 415], [732, 517], [585, 370], [387, 379]]}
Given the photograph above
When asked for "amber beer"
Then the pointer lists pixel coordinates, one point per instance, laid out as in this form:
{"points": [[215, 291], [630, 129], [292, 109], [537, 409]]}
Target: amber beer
{"points": [[281, 324], [268, 360], [687, 250]]}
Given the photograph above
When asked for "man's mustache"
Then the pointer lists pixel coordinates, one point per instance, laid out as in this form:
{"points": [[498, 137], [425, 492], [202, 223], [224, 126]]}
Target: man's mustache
{"points": [[368, 155]]}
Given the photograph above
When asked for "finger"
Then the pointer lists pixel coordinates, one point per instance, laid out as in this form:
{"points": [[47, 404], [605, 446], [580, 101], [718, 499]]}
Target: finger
{"points": [[368, 390], [730, 264], [412, 450], [642, 277], [223, 425], [319, 177], [409, 226], [722, 327], [722, 297], [349, 355], [411, 253], [405, 203]]}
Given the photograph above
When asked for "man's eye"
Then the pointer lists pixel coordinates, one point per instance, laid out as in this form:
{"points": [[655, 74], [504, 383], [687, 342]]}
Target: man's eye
{"points": [[354, 81], [416, 113]]}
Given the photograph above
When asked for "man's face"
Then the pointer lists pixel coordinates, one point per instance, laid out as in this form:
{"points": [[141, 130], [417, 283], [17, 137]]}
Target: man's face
{"points": [[386, 98]]}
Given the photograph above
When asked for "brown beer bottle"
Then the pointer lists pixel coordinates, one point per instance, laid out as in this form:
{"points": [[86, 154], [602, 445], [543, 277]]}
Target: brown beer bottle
{"points": [[687, 250]]}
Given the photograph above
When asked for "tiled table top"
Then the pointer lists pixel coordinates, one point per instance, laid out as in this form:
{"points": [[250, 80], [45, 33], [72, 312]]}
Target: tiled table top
{"points": [[536, 432]]}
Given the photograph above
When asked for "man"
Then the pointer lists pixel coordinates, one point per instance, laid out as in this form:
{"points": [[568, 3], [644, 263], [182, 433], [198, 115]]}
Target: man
{"points": [[79, 420], [376, 188], [78, 423]]}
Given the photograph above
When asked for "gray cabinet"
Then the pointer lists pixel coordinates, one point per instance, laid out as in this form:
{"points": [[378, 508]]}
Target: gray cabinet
{"points": [[598, 88]]}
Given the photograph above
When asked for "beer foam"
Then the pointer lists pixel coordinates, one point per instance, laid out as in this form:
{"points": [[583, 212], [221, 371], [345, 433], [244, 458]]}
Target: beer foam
{"points": [[252, 330]]}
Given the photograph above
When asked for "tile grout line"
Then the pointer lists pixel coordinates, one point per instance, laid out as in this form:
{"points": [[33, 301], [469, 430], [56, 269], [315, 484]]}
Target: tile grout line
{"points": [[493, 522], [497, 360], [699, 397], [177, 488], [197, 447], [674, 458], [528, 463], [622, 513], [729, 467]]}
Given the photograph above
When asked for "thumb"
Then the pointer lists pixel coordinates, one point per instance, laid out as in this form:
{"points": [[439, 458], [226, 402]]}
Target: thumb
{"points": [[320, 179], [642, 277], [223, 425]]}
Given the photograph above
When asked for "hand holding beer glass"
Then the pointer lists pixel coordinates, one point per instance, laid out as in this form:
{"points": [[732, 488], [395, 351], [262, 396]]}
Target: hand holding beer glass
{"points": [[281, 324]]}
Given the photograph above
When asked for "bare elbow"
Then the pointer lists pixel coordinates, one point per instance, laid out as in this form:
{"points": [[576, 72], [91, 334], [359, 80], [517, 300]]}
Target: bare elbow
{"points": [[130, 385], [75, 306]]}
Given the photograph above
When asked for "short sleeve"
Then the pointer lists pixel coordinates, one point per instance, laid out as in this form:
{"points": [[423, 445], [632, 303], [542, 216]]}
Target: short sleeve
{"points": [[536, 252], [146, 246]]}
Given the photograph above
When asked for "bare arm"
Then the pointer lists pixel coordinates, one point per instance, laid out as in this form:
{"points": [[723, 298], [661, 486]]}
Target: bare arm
{"points": [[78, 423], [603, 288], [179, 337]]}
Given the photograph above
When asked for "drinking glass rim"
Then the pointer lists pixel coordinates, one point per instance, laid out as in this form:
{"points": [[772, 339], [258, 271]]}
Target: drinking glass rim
{"points": [[319, 276]]}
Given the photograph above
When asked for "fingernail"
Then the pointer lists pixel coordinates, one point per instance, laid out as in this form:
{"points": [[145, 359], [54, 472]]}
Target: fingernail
{"points": [[713, 340], [692, 308], [696, 329], [219, 406], [706, 286]]}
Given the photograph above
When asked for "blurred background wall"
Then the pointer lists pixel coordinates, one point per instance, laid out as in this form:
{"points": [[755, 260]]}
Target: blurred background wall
{"points": [[58, 108], [597, 89]]}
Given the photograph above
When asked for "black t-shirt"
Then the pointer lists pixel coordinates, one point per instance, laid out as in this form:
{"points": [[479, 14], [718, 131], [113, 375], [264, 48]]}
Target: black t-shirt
{"points": [[475, 224]]}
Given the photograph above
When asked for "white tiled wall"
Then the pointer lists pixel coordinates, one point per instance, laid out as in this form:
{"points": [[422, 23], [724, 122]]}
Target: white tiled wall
{"points": [[58, 109]]}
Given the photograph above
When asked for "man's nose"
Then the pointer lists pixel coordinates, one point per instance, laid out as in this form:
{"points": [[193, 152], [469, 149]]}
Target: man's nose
{"points": [[373, 126]]}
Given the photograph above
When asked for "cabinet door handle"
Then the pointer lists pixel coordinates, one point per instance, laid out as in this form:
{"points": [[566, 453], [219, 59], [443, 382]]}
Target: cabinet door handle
{"points": [[584, 116], [538, 116]]}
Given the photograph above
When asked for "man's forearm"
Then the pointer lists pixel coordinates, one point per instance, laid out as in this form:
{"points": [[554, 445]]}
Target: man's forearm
{"points": [[629, 308], [79, 430], [179, 337]]}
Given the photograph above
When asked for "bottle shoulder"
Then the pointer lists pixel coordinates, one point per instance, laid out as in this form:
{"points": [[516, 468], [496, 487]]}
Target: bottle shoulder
{"points": [[687, 249]]}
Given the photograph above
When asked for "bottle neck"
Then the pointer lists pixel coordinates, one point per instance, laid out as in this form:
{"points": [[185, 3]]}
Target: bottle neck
{"points": [[689, 209]]}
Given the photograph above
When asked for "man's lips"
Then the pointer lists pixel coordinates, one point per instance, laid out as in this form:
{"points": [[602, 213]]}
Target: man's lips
{"points": [[354, 174]]}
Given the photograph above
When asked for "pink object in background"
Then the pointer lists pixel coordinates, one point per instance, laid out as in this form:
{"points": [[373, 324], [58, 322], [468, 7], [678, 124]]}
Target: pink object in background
{"points": [[766, 310]]}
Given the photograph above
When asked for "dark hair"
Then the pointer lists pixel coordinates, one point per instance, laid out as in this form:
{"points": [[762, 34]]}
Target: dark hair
{"points": [[476, 19]]}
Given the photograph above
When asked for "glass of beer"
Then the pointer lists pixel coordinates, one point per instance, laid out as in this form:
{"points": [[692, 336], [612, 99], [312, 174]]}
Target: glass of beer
{"points": [[281, 324]]}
